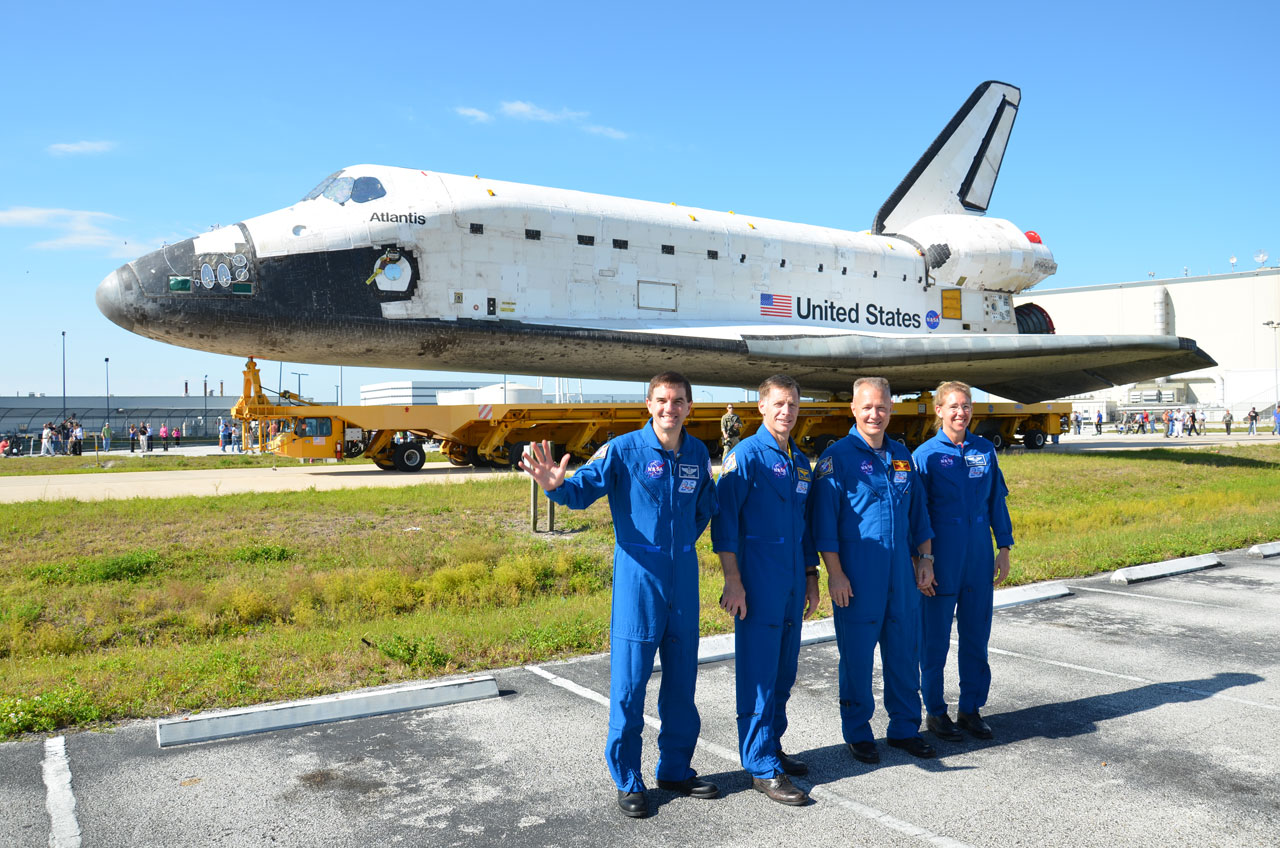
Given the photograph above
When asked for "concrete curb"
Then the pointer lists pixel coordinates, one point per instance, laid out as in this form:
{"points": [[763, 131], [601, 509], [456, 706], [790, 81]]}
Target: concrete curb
{"points": [[1017, 595], [1269, 549], [205, 727], [720, 647], [1168, 568]]}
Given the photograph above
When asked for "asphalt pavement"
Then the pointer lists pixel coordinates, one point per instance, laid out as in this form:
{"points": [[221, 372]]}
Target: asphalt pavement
{"points": [[1124, 716]]}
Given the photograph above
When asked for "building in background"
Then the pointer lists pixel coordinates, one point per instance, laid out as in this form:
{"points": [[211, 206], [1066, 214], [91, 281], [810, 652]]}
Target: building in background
{"points": [[1225, 313]]}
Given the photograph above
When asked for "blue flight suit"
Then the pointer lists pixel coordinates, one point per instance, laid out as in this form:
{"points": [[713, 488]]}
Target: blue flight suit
{"points": [[966, 498], [872, 512], [762, 494], [660, 503]]}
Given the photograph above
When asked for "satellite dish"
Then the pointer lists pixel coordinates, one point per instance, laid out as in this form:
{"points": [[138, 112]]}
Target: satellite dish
{"points": [[1260, 257]]}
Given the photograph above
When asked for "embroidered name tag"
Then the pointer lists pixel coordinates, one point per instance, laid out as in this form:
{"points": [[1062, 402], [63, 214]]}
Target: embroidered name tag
{"points": [[975, 459], [689, 472]]}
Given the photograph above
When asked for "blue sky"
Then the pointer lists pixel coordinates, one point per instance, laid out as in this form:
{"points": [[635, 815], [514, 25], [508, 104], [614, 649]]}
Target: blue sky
{"points": [[1146, 140]]}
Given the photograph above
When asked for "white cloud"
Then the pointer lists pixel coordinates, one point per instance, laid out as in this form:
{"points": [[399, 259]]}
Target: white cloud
{"points": [[478, 115], [529, 112], [607, 132], [69, 229], [523, 110], [79, 147]]}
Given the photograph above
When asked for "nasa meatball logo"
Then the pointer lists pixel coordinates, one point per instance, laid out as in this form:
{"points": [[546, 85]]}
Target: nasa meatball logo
{"points": [[867, 467], [932, 319], [654, 469], [779, 469], [945, 461]]}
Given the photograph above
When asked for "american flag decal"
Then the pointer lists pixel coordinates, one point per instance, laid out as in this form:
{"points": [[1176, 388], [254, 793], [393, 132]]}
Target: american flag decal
{"points": [[775, 305]]}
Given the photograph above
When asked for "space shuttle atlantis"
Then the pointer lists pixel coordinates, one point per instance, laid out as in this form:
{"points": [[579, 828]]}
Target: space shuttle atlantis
{"points": [[402, 268]]}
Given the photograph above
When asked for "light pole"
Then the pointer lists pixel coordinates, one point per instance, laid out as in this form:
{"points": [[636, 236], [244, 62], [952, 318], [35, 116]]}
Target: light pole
{"points": [[300, 375], [1275, 325], [106, 362], [64, 375], [204, 419]]}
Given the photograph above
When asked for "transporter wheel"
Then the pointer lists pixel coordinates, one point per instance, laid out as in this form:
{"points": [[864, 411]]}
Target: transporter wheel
{"points": [[991, 432], [410, 456], [1034, 438], [515, 450], [715, 448], [384, 465]]}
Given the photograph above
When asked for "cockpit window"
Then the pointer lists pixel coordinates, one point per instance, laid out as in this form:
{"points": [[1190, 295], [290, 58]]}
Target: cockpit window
{"points": [[324, 184], [366, 189], [340, 189]]}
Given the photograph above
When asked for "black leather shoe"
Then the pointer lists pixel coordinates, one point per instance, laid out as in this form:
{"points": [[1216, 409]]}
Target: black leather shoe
{"points": [[864, 752], [792, 766], [973, 723], [633, 804], [915, 746], [780, 788], [943, 727], [692, 786]]}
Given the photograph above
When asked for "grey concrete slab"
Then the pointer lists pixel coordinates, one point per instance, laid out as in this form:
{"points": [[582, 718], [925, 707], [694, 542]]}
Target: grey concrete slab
{"points": [[1165, 568], [400, 697], [22, 794], [1268, 549]]}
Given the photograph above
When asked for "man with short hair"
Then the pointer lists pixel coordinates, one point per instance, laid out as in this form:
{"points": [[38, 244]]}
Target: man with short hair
{"points": [[661, 497], [730, 428], [106, 437], [770, 581], [872, 529]]}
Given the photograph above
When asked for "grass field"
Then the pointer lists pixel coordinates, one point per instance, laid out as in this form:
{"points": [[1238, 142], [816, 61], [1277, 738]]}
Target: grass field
{"points": [[121, 609]]}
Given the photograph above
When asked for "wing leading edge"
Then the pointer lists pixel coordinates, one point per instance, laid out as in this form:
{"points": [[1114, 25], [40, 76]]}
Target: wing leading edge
{"points": [[1025, 368]]}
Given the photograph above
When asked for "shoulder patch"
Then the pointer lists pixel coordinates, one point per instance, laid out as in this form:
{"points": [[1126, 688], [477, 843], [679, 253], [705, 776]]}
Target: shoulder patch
{"points": [[730, 464], [601, 453], [825, 467]]}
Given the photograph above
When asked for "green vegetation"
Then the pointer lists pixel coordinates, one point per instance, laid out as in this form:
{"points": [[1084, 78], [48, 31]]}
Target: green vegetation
{"points": [[145, 607]]}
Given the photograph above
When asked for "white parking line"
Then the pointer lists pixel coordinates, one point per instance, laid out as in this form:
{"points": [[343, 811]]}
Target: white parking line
{"points": [[1134, 678], [821, 793], [60, 801], [1151, 597]]}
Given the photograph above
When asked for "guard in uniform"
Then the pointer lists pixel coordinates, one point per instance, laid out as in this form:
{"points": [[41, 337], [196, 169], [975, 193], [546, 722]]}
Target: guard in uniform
{"points": [[770, 581], [661, 497], [869, 520], [730, 428], [966, 497]]}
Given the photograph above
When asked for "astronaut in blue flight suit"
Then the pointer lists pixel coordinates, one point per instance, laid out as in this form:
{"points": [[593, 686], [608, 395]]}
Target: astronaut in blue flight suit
{"points": [[869, 521], [770, 581], [966, 498], [661, 497]]}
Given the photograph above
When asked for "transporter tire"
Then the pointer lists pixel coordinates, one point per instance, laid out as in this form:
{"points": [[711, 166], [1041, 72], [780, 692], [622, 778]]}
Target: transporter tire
{"points": [[410, 456], [1034, 439], [991, 432]]}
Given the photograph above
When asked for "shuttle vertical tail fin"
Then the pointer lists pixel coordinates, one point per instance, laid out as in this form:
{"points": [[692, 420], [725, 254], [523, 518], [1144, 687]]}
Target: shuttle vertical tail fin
{"points": [[958, 172]]}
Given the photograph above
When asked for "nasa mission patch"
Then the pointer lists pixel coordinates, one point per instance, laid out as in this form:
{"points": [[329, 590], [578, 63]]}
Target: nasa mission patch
{"points": [[825, 467], [779, 469], [601, 453], [654, 469]]}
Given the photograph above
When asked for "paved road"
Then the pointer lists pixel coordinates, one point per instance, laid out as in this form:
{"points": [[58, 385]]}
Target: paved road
{"points": [[291, 476], [1125, 716]]}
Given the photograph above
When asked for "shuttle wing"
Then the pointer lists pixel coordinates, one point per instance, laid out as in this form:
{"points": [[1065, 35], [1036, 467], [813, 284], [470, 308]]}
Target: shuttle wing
{"points": [[1024, 368]]}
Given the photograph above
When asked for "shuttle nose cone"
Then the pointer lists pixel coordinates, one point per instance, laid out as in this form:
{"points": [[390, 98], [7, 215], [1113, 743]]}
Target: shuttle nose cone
{"points": [[111, 296]]}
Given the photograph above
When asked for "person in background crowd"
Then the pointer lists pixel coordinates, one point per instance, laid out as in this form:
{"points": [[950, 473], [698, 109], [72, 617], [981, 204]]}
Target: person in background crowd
{"points": [[1227, 419]]}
